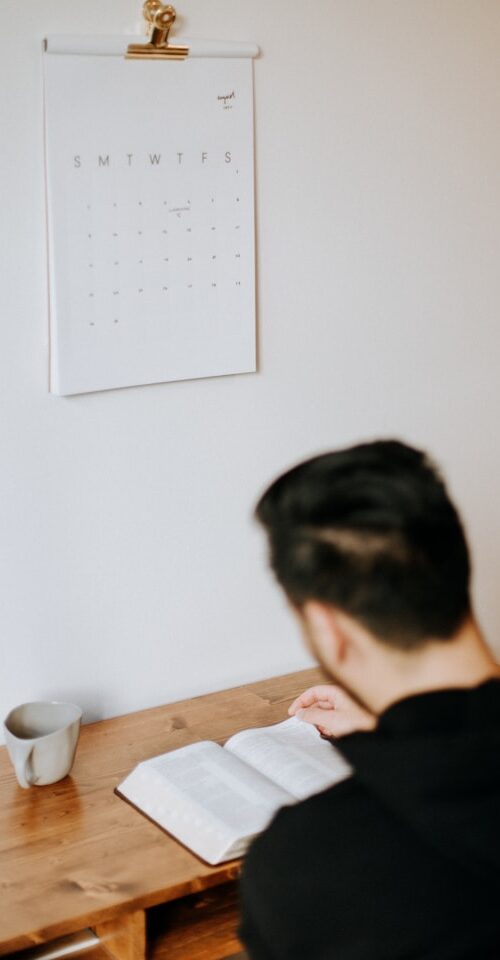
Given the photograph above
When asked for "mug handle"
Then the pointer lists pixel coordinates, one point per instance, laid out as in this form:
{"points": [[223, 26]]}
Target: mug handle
{"points": [[23, 767]]}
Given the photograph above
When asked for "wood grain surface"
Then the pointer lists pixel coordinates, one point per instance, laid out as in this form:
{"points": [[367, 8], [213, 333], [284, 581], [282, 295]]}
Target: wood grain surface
{"points": [[199, 927], [124, 937], [74, 855]]}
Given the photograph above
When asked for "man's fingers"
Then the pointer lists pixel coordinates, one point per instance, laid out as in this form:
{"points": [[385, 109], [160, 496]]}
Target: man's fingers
{"points": [[313, 695], [318, 717], [299, 703]]}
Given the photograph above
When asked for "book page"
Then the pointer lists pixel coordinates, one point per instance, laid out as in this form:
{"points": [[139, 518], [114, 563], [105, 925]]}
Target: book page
{"points": [[293, 755], [206, 797]]}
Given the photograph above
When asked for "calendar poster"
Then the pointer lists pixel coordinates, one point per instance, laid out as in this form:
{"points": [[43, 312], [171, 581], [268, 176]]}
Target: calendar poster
{"points": [[150, 205]]}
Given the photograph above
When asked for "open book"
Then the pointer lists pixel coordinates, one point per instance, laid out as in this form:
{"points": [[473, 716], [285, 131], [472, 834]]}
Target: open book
{"points": [[215, 799]]}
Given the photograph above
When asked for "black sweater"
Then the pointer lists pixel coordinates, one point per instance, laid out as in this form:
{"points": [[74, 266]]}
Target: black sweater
{"points": [[402, 860]]}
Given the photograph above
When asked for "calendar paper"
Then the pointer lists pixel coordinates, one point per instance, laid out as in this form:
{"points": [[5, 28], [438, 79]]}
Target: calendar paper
{"points": [[149, 169]]}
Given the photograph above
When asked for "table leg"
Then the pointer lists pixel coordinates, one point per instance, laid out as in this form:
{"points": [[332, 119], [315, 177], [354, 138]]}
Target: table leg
{"points": [[125, 936]]}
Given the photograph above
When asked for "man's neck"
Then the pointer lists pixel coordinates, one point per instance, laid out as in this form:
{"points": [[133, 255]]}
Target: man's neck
{"points": [[462, 661]]}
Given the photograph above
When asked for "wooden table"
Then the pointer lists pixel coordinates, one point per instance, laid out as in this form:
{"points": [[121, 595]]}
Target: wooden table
{"points": [[75, 856]]}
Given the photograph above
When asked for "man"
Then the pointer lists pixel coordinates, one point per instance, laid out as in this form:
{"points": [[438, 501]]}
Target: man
{"points": [[401, 860]]}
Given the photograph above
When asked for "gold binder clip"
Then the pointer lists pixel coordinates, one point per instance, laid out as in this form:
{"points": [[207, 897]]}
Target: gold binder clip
{"points": [[160, 18]]}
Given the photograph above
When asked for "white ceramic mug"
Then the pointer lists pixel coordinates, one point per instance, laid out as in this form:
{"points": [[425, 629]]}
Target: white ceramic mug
{"points": [[41, 738]]}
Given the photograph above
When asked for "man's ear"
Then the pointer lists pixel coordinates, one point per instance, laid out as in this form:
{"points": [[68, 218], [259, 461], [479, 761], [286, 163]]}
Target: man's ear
{"points": [[327, 627]]}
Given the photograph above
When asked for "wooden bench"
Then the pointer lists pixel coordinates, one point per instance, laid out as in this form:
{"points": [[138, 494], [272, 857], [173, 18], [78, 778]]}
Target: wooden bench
{"points": [[78, 863]]}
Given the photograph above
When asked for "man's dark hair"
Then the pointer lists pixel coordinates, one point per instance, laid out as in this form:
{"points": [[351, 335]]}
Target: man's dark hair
{"points": [[371, 531]]}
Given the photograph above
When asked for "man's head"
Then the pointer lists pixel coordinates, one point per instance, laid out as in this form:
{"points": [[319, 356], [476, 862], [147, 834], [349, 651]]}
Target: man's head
{"points": [[370, 534]]}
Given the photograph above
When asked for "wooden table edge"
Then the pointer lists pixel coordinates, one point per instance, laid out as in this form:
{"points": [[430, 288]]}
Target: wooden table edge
{"points": [[120, 925]]}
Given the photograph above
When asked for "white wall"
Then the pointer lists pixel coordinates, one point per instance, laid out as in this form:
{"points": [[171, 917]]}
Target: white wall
{"points": [[130, 571]]}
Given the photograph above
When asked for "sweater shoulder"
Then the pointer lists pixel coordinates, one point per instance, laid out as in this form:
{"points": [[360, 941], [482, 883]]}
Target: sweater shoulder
{"points": [[301, 826]]}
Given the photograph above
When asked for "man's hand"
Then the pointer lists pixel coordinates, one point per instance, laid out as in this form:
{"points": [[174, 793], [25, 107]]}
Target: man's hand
{"points": [[332, 711]]}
